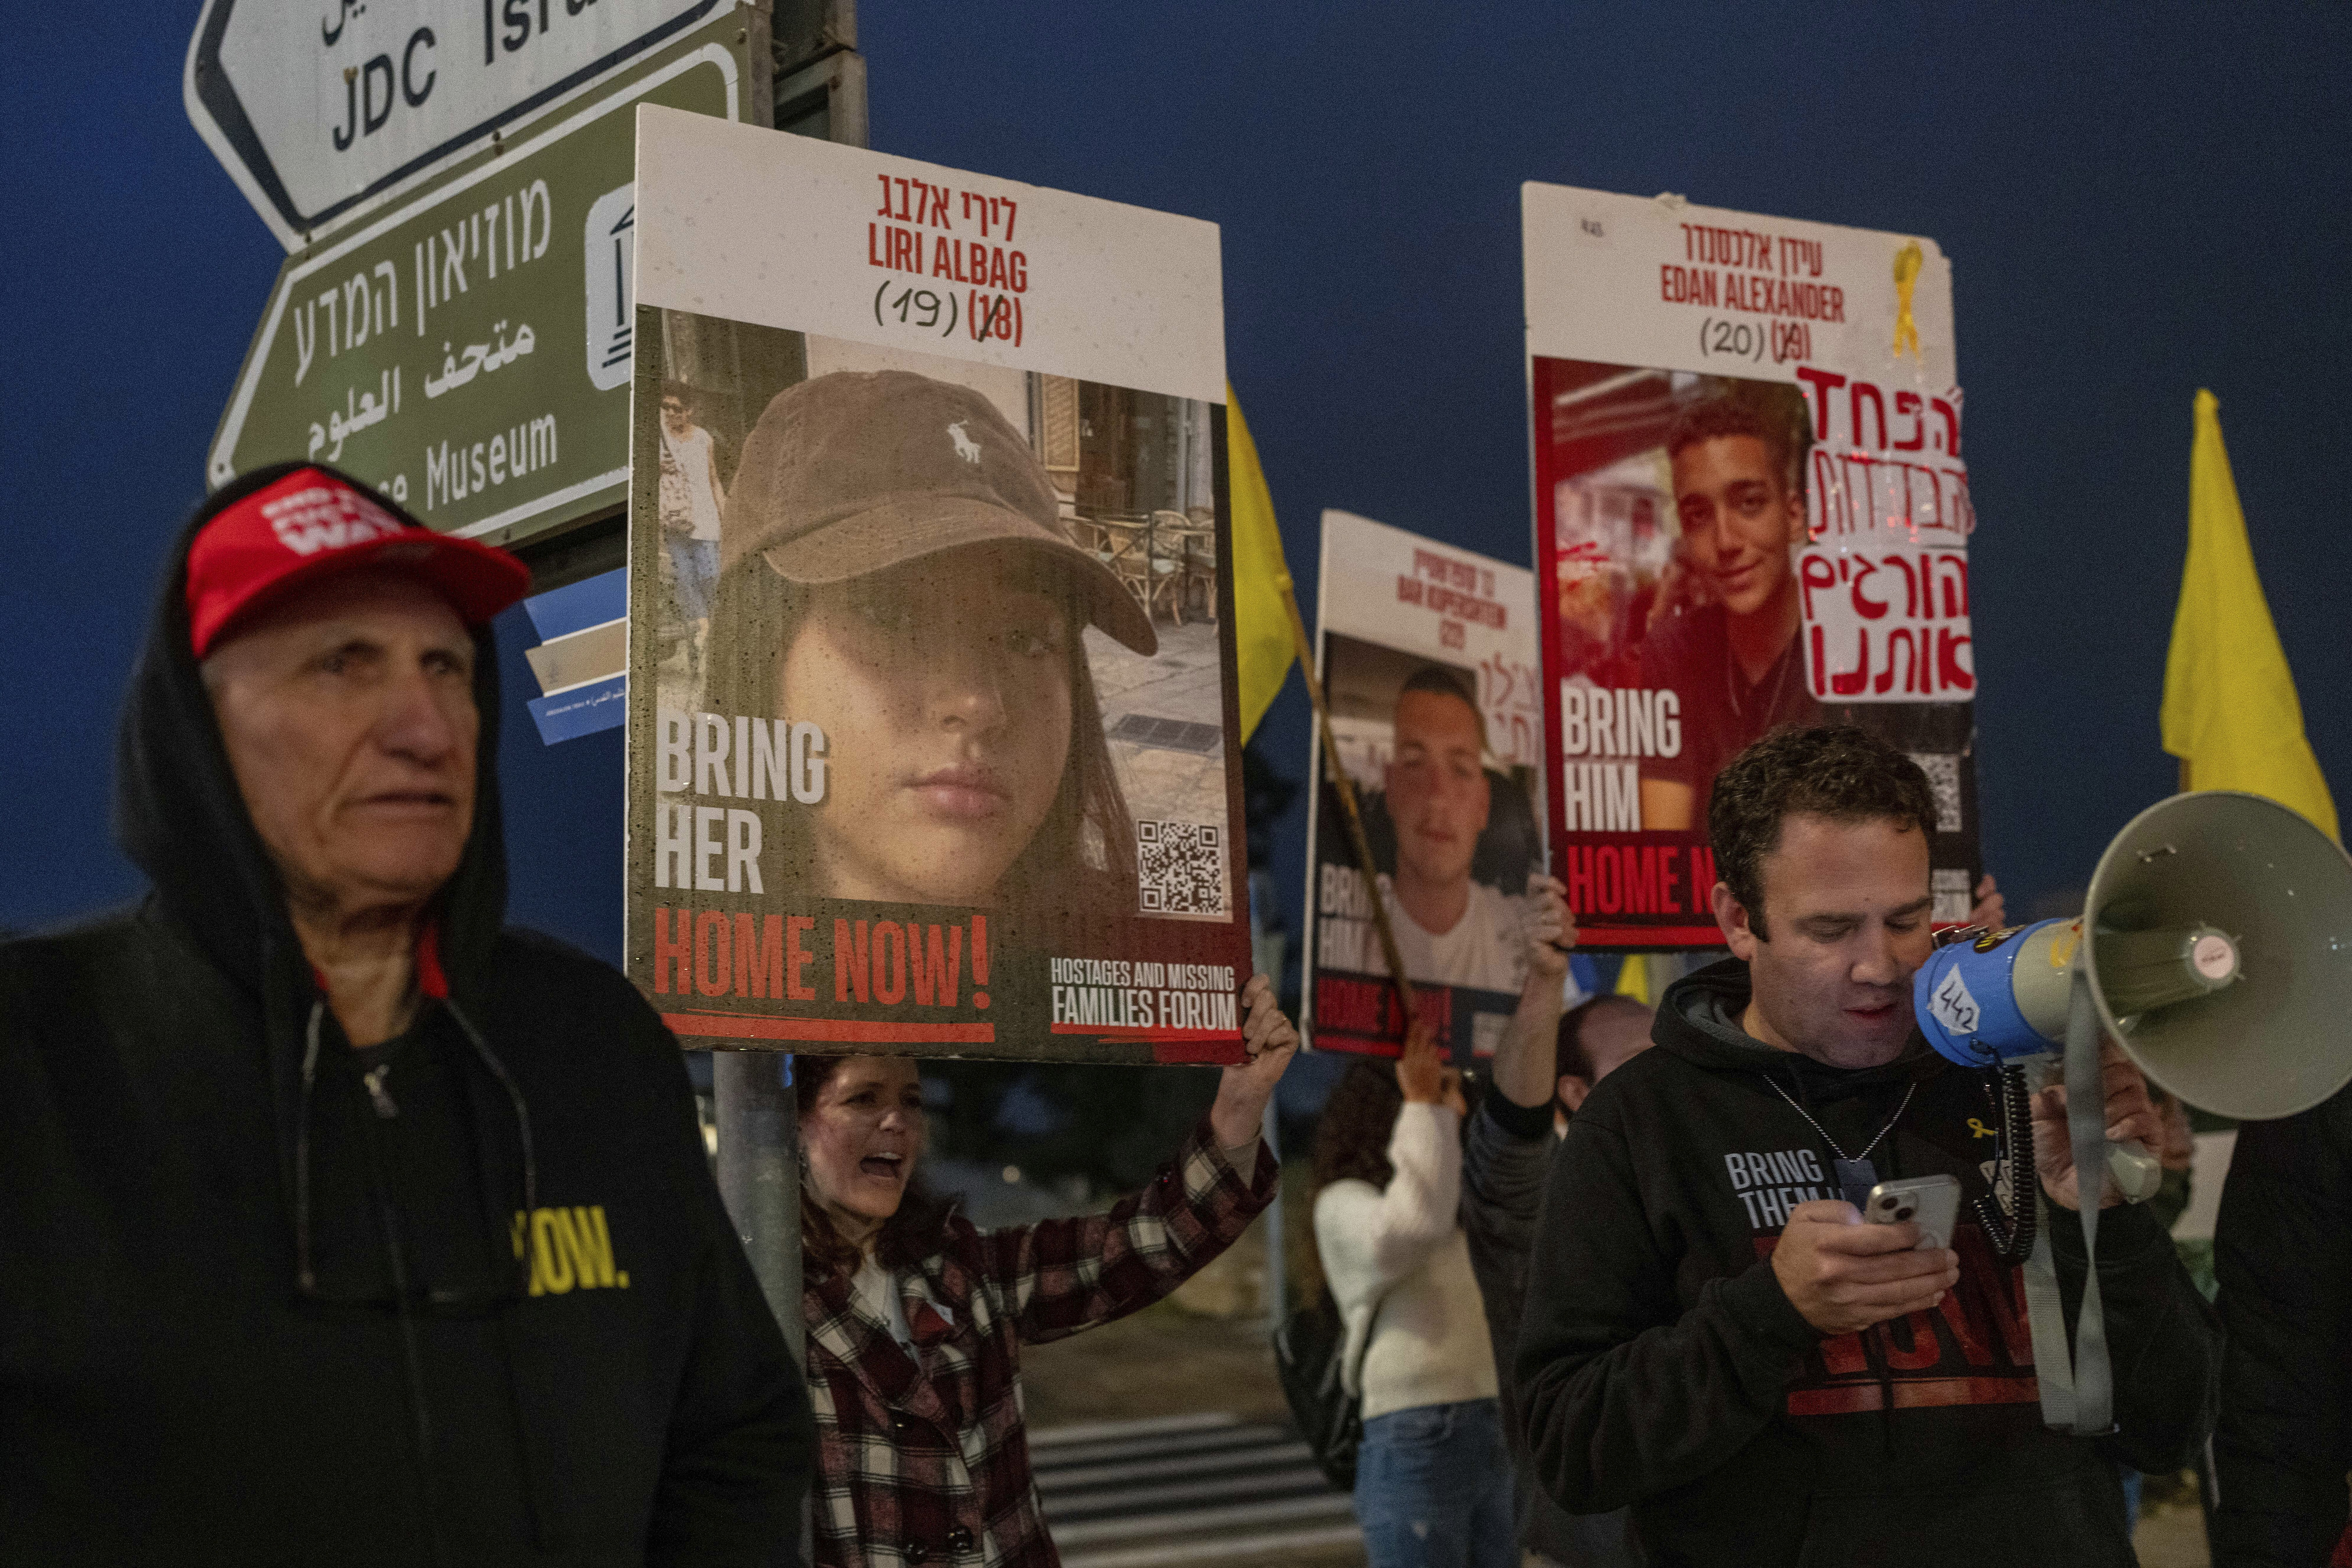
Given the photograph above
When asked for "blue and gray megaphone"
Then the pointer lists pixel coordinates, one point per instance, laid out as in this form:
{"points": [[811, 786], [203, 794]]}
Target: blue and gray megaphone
{"points": [[2215, 945]]}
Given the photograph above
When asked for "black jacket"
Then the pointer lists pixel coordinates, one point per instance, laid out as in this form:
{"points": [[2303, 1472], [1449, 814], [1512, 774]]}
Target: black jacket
{"points": [[2282, 1253], [1659, 1363], [606, 1385]]}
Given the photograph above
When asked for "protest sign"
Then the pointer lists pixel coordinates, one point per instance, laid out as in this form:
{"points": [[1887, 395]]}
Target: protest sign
{"points": [[1428, 655], [1750, 509], [933, 712]]}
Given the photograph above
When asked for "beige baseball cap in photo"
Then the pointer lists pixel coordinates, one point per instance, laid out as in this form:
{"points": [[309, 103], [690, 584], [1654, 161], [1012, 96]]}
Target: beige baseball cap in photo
{"points": [[850, 473]]}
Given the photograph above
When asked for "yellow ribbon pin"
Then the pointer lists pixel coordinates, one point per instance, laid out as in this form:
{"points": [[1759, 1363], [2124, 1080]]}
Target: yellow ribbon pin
{"points": [[1980, 1130], [1907, 262]]}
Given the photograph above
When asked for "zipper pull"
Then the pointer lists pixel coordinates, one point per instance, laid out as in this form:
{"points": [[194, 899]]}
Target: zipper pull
{"points": [[384, 1107]]}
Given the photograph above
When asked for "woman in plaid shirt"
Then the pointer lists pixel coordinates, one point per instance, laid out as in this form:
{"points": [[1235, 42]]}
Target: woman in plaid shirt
{"points": [[915, 1318]]}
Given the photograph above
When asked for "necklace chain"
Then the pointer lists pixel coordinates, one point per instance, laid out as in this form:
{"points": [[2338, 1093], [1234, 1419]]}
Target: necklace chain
{"points": [[1824, 1131]]}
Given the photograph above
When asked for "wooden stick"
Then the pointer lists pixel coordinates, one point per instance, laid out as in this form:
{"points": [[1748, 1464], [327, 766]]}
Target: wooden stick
{"points": [[1347, 792]]}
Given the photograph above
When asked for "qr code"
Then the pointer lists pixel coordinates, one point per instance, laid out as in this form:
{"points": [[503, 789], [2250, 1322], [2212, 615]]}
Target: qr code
{"points": [[1943, 771], [1949, 889], [1180, 868]]}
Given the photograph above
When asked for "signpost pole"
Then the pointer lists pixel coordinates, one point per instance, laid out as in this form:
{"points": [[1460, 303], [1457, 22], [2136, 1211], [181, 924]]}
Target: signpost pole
{"points": [[759, 1175], [758, 1130]]}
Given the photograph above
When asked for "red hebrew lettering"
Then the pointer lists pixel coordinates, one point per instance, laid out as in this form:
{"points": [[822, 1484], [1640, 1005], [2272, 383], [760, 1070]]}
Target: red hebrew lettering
{"points": [[1907, 406], [1861, 390], [1951, 418], [1823, 383], [1910, 586], [1866, 607], [1952, 571], [1841, 682], [1950, 645], [1899, 637], [1815, 571]]}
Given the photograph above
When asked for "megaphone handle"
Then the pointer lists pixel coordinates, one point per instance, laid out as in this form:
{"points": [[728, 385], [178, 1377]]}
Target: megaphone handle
{"points": [[2138, 1173], [2131, 1165]]}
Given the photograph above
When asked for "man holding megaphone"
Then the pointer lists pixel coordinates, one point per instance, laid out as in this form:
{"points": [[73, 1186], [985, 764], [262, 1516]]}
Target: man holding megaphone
{"points": [[1719, 1339]]}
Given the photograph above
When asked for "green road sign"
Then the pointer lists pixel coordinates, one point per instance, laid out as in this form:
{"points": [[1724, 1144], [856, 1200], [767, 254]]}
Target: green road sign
{"points": [[470, 352]]}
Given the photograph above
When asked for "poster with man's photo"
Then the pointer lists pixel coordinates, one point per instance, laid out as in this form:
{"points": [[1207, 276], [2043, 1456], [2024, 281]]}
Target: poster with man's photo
{"points": [[931, 673], [1751, 509], [1429, 663]]}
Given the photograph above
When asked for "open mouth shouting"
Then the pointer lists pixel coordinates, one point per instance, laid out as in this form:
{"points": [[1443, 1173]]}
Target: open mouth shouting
{"points": [[884, 1167]]}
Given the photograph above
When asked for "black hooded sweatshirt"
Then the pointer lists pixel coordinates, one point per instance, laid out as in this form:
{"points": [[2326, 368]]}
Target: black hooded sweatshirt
{"points": [[604, 1384], [1660, 1364]]}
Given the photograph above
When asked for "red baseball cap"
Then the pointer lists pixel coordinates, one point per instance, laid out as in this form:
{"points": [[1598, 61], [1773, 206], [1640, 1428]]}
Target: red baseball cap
{"points": [[313, 524]]}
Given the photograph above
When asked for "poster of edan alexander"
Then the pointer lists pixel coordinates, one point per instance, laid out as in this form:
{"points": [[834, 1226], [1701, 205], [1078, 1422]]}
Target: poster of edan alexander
{"points": [[1751, 509]]}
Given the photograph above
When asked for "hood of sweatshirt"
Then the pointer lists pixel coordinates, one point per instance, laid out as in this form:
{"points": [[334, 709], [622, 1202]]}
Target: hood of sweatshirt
{"points": [[179, 815], [1698, 1020]]}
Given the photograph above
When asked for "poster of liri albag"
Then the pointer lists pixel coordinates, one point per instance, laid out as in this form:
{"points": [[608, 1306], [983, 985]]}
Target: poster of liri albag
{"points": [[932, 702]]}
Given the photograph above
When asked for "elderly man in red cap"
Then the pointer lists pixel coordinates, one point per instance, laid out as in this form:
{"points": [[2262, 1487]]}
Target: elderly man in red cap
{"points": [[337, 1221]]}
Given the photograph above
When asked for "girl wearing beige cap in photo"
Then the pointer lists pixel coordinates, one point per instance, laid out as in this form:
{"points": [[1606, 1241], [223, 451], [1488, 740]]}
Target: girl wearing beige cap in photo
{"points": [[896, 572]]}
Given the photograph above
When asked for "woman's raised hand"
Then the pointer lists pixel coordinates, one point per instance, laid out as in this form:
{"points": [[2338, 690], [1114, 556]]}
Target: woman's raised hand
{"points": [[1246, 1086], [1422, 1072]]}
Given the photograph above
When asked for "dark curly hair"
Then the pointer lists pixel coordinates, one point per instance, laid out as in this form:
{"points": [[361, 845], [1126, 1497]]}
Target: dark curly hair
{"points": [[917, 1231], [1775, 416], [1352, 1137], [1828, 770]]}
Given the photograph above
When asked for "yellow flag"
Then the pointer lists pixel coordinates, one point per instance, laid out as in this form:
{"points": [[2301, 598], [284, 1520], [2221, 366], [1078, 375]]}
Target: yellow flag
{"points": [[1633, 978], [1261, 577], [2230, 708]]}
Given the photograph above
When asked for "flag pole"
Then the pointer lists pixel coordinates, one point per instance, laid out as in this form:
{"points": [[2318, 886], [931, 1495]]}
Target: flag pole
{"points": [[1347, 792]]}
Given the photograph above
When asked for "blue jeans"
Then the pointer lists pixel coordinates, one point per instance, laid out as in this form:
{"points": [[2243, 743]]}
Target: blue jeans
{"points": [[697, 561], [1433, 1488]]}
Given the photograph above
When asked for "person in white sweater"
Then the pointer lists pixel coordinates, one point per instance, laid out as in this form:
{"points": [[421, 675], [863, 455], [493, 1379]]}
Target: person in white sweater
{"points": [[1432, 1479]]}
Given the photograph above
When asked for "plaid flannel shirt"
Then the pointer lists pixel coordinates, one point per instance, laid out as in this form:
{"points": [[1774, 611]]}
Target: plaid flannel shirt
{"points": [[923, 1457]]}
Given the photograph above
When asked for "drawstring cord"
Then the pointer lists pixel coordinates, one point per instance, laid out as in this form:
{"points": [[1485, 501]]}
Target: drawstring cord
{"points": [[412, 1354], [1873, 1346], [388, 1224], [498, 1070], [533, 1481]]}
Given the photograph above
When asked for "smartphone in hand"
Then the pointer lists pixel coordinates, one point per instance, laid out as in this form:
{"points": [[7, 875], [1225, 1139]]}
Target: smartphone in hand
{"points": [[1932, 1202]]}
